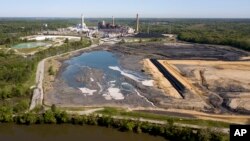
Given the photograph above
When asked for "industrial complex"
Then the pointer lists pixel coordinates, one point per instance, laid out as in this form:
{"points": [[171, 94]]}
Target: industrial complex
{"points": [[102, 29]]}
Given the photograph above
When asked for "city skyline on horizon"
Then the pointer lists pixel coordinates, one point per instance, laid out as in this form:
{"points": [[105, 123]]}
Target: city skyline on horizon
{"points": [[127, 9]]}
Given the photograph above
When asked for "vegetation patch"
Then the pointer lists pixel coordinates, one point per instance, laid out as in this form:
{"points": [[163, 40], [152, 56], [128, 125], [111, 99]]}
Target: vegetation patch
{"points": [[121, 112]]}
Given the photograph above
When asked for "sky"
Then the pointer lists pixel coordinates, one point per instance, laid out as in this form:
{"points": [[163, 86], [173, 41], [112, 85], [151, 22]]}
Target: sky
{"points": [[126, 8]]}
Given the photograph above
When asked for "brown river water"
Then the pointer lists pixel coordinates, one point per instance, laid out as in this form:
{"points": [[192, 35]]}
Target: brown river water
{"points": [[67, 132]]}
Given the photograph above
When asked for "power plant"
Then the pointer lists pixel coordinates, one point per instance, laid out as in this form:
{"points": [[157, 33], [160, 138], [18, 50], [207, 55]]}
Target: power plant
{"points": [[103, 29], [114, 30], [83, 26]]}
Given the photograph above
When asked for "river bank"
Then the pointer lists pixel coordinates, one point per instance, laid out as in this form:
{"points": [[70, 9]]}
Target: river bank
{"points": [[167, 130]]}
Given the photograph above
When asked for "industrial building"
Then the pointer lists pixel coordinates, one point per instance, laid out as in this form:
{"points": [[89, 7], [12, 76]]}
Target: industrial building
{"points": [[104, 29], [81, 28], [114, 30]]}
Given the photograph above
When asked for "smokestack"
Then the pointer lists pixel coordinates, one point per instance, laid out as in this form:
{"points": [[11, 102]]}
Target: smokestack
{"points": [[137, 23], [113, 23], [82, 21]]}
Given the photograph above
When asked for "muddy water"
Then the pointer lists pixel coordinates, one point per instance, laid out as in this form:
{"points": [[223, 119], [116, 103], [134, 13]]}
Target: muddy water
{"points": [[101, 60], [99, 72], [11, 132]]}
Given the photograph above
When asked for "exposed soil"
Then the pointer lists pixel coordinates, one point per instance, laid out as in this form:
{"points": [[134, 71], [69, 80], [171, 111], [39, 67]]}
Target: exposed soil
{"points": [[224, 83]]}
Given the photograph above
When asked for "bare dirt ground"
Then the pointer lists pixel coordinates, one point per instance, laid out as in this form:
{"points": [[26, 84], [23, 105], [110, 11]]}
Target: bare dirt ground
{"points": [[224, 83], [49, 79], [198, 97]]}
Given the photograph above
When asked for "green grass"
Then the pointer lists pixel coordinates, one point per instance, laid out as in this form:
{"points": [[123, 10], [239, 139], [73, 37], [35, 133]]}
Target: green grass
{"points": [[121, 112], [30, 50], [32, 79]]}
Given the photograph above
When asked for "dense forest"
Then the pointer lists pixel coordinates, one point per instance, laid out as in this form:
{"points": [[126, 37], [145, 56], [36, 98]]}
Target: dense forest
{"points": [[233, 32], [12, 29]]}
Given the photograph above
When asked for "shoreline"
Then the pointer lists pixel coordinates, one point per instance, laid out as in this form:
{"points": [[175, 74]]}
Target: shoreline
{"points": [[121, 123]]}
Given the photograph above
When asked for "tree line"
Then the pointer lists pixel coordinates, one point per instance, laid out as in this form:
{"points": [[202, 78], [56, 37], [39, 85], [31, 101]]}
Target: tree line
{"points": [[235, 33], [169, 131], [12, 29]]}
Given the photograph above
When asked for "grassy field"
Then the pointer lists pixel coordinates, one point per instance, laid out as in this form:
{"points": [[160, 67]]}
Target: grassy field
{"points": [[122, 112], [30, 50]]}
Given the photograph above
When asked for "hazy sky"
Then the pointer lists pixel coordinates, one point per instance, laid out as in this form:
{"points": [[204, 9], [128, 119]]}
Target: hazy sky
{"points": [[126, 8]]}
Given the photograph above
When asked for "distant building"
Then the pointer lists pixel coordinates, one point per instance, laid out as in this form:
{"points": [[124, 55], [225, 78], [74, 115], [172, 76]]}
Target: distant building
{"points": [[114, 30], [82, 27]]}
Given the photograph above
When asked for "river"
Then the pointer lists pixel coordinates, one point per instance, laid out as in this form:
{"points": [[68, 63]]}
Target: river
{"points": [[67, 132]]}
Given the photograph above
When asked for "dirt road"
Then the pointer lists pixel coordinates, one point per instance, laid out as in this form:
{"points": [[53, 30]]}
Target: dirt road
{"points": [[229, 118], [37, 97], [223, 130]]}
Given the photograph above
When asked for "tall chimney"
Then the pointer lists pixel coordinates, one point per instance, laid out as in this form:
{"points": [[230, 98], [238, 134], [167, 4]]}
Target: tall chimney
{"points": [[113, 23], [82, 21], [137, 23]]}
